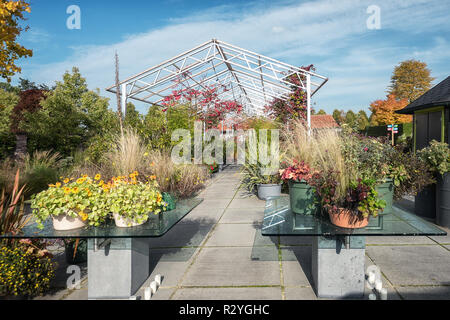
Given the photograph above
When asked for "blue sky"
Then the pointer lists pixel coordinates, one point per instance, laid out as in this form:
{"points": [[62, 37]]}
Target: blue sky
{"points": [[330, 34]]}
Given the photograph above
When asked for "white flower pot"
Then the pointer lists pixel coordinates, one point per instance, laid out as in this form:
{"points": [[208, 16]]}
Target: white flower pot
{"points": [[122, 222], [64, 222]]}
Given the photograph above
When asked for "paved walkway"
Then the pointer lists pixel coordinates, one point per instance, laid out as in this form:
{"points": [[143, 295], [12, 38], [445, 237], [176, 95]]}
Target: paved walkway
{"points": [[217, 252]]}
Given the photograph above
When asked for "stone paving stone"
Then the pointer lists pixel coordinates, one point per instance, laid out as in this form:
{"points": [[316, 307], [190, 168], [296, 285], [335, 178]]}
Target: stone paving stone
{"points": [[182, 235], [265, 253], [398, 240], [214, 203], [247, 203], [294, 240], [412, 265], [261, 240], [425, 293], [295, 275], [232, 235], [297, 265], [250, 293], [300, 293], [231, 267], [253, 215], [203, 216], [442, 239], [216, 194]]}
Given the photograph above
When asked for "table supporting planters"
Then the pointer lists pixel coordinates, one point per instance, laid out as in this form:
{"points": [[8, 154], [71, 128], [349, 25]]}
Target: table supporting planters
{"points": [[118, 258], [338, 266], [338, 254], [117, 268]]}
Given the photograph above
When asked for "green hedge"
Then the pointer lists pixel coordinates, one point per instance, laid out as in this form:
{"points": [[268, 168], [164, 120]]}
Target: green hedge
{"points": [[404, 131]]}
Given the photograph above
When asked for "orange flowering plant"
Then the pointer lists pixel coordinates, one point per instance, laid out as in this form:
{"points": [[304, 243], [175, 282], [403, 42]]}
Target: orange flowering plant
{"points": [[132, 199], [83, 197]]}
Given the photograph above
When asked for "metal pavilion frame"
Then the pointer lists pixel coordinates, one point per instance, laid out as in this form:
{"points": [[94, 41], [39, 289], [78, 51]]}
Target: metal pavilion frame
{"points": [[249, 78]]}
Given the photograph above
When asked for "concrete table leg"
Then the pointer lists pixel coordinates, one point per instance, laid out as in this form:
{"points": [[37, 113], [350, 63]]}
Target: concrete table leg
{"points": [[117, 270], [338, 266]]}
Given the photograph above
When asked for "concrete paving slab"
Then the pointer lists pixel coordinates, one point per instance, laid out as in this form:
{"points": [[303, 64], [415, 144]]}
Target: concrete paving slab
{"points": [[161, 293], [203, 216], [300, 293], [214, 203], [265, 253], [250, 293], [442, 239], [425, 293], [232, 235], [239, 215], [231, 267], [81, 294], [412, 265], [182, 235], [297, 261], [398, 240], [261, 240], [295, 275], [247, 203], [293, 241], [214, 194]]}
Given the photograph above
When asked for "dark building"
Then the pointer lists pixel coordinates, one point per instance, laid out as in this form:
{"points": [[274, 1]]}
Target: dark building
{"points": [[431, 115]]}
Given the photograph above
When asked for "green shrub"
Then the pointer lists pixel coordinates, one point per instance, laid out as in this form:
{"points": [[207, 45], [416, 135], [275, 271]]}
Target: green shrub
{"points": [[437, 155]]}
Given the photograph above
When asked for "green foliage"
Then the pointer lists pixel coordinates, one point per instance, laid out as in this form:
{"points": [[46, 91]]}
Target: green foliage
{"points": [[7, 102], [83, 198], [437, 155], [70, 116], [253, 174], [135, 200], [25, 269], [321, 112], [338, 116]]}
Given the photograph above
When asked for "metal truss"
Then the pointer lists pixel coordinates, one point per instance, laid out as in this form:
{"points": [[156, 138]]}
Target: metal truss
{"points": [[251, 79]]}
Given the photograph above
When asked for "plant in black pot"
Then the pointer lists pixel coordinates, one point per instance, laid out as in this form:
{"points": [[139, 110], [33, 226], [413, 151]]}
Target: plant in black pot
{"points": [[437, 156]]}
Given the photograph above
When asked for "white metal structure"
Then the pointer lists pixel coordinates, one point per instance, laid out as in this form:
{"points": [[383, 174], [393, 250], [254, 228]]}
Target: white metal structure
{"points": [[251, 79]]}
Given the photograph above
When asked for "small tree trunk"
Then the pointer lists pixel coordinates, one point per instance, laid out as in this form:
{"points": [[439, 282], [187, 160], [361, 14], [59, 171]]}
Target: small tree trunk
{"points": [[21, 146]]}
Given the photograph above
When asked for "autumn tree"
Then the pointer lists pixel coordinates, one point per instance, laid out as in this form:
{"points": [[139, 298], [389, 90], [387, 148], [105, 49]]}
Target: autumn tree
{"points": [[410, 79], [11, 13], [383, 111]]}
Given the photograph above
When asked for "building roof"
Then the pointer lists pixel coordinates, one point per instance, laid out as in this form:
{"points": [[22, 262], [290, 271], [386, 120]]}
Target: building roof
{"points": [[323, 121], [439, 95]]}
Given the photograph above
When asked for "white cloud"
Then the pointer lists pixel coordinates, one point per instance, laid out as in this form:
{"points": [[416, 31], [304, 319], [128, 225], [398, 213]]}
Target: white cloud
{"points": [[328, 33]]}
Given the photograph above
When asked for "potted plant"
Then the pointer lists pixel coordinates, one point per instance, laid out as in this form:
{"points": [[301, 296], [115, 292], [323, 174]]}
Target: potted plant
{"points": [[437, 155], [71, 204], [302, 195], [265, 181], [132, 202], [351, 206]]}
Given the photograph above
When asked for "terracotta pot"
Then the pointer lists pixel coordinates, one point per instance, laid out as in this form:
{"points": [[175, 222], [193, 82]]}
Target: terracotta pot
{"points": [[122, 222], [346, 219], [64, 222]]}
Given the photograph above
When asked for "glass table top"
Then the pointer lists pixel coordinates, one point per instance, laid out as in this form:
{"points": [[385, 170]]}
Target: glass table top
{"points": [[279, 220], [157, 226]]}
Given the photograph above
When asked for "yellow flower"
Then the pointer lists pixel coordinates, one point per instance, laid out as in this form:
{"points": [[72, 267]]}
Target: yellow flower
{"points": [[97, 177], [80, 181], [66, 180], [51, 185], [67, 190], [146, 154], [83, 216], [58, 184], [84, 176], [75, 190], [101, 183]]}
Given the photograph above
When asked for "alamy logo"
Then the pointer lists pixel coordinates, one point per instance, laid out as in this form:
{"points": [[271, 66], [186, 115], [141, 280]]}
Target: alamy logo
{"points": [[74, 20], [210, 145]]}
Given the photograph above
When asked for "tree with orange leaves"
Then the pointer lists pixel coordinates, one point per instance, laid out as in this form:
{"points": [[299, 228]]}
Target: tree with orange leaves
{"points": [[383, 111]]}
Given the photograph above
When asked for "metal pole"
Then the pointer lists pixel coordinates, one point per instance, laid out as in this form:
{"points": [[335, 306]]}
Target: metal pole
{"points": [[124, 99], [308, 102]]}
